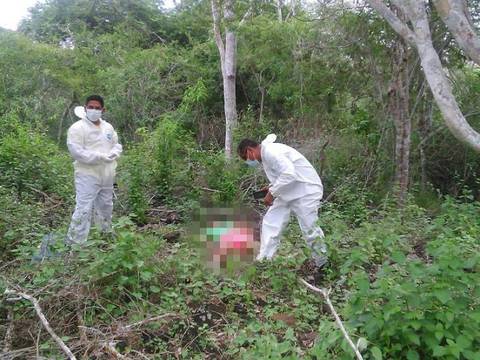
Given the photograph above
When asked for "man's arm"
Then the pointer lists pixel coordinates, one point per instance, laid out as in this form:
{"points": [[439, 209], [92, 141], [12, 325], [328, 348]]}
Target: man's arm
{"points": [[78, 151], [286, 170], [117, 147]]}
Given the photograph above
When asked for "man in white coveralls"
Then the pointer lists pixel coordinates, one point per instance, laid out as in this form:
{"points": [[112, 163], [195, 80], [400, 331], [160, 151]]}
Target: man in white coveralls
{"points": [[294, 186], [93, 144]]}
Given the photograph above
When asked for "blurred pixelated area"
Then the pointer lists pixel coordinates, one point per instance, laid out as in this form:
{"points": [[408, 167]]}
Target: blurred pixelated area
{"points": [[226, 238]]}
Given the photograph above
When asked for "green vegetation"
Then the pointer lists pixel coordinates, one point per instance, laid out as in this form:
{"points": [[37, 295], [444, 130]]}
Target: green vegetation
{"points": [[404, 279]]}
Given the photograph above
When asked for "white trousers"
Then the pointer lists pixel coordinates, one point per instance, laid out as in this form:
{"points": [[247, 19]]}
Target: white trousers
{"points": [[92, 197], [277, 217]]}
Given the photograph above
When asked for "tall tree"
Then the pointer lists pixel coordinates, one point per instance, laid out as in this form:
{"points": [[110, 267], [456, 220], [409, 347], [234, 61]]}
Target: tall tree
{"points": [[399, 109], [419, 35], [227, 52]]}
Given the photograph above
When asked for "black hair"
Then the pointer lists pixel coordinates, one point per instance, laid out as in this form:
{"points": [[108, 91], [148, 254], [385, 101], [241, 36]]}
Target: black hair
{"points": [[95, 98], [244, 144]]}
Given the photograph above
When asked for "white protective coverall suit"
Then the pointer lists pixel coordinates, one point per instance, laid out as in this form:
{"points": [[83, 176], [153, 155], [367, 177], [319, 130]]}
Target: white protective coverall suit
{"points": [[94, 149], [295, 186]]}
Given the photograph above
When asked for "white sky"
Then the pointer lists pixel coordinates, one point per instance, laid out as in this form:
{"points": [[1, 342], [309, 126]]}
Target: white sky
{"points": [[12, 11]]}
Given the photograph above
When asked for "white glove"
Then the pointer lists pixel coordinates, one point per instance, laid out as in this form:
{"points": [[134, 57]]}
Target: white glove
{"points": [[108, 158], [114, 154]]}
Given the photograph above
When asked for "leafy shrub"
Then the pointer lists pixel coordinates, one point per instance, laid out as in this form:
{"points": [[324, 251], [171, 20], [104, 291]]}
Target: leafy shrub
{"points": [[35, 177], [30, 163], [219, 175], [418, 307], [158, 168], [416, 310], [125, 264], [20, 223]]}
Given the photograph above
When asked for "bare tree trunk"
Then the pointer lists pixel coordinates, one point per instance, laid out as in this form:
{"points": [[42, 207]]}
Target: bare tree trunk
{"points": [[228, 63], [262, 88], [279, 10], [399, 100], [425, 129], [63, 118], [420, 37], [262, 101], [229, 92]]}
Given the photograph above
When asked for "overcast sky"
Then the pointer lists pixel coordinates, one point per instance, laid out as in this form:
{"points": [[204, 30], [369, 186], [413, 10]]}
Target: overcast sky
{"points": [[12, 11]]}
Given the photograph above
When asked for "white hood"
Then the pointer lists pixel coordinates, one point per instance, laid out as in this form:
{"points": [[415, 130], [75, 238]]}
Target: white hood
{"points": [[271, 138], [79, 111]]}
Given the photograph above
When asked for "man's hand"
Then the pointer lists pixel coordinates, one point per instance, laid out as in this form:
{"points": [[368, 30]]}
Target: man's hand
{"points": [[268, 200], [108, 159]]}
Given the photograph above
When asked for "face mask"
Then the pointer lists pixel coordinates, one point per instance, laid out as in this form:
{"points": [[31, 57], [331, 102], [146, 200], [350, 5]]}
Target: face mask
{"points": [[93, 115], [252, 163]]}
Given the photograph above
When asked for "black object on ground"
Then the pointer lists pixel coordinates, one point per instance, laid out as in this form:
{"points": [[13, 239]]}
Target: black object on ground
{"points": [[260, 194], [320, 273]]}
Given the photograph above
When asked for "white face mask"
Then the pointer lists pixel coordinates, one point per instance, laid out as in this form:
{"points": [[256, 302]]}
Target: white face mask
{"points": [[93, 115], [252, 163]]}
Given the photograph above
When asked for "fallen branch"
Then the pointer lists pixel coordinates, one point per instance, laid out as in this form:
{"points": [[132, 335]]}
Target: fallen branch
{"points": [[210, 190], [9, 333], [148, 320], [19, 353], [90, 330], [325, 293], [45, 195], [109, 346], [43, 319]]}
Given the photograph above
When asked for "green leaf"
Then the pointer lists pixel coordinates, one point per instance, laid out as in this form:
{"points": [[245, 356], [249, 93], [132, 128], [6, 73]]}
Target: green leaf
{"points": [[377, 353], [146, 275], [398, 257], [155, 289], [413, 338], [443, 295], [363, 284], [439, 351], [412, 355]]}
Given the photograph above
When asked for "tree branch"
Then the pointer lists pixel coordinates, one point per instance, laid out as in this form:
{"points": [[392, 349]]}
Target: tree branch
{"points": [[399, 26], [454, 14], [439, 84], [216, 32], [325, 293], [43, 319]]}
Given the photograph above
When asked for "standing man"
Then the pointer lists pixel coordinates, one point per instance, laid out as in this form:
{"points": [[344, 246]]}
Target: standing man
{"points": [[93, 144], [294, 186]]}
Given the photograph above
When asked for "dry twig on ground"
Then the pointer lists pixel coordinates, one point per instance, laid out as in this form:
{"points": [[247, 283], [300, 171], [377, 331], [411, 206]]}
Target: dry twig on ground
{"points": [[325, 293], [19, 295]]}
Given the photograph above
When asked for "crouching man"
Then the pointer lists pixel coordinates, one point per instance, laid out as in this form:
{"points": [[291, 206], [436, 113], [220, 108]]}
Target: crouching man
{"points": [[294, 187]]}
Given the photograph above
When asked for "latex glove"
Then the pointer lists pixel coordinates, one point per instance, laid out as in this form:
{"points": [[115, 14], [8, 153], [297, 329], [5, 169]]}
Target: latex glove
{"points": [[108, 158], [268, 200], [114, 154]]}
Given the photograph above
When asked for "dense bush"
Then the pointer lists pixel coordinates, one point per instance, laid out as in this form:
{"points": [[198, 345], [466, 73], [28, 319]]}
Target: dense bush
{"points": [[158, 169], [31, 164], [36, 185], [414, 283]]}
